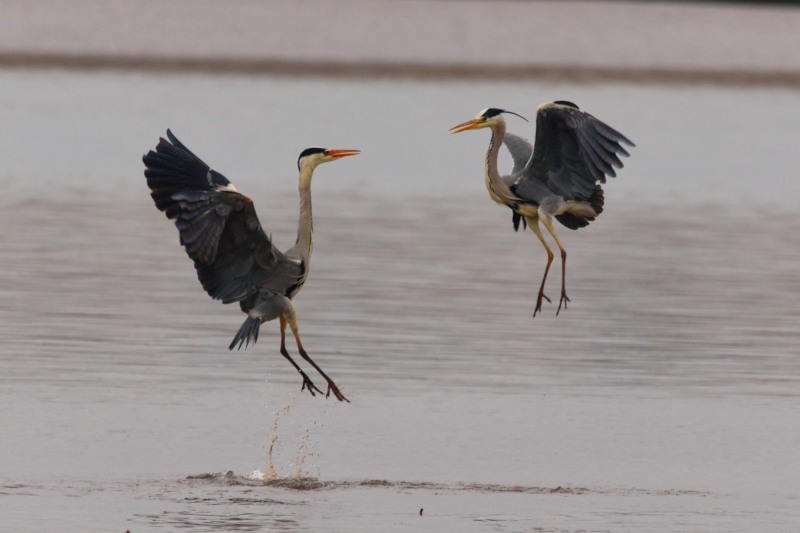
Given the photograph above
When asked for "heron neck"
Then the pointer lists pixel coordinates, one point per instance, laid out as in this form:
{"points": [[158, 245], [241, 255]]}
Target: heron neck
{"points": [[498, 190], [305, 227]]}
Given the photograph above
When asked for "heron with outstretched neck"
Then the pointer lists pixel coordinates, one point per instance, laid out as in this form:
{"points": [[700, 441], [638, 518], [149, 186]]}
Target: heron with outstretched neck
{"points": [[558, 177], [235, 258]]}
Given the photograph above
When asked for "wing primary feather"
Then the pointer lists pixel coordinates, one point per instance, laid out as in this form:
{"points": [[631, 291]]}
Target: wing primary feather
{"points": [[590, 141], [611, 133], [610, 148], [594, 163]]}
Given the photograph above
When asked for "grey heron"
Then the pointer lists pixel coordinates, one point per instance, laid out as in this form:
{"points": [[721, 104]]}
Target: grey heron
{"points": [[235, 258], [558, 177]]}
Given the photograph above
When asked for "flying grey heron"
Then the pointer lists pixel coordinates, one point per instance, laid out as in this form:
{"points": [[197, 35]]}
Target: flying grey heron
{"points": [[558, 177], [235, 258]]}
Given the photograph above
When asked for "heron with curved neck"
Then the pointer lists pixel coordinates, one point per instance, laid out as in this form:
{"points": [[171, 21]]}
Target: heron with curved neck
{"points": [[557, 178], [235, 259]]}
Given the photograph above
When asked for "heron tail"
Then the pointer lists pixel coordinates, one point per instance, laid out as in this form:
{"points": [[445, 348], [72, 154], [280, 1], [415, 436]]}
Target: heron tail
{"points": [[576, 221], [247, 333], [516, 219], [597, 200]]}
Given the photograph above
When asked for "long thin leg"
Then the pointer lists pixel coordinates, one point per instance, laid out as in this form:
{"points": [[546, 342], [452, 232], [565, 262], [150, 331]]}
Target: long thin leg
{"points": [[307, 383], [331, 385], [533, 223], [548, 223]]}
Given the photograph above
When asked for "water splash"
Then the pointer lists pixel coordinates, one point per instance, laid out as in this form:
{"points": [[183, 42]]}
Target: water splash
{"points": [[271, 474], [304, 455], [305, 459]]}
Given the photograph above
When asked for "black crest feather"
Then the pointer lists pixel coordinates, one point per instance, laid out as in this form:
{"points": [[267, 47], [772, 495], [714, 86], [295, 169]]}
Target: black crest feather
{"points": [[308, 151]]}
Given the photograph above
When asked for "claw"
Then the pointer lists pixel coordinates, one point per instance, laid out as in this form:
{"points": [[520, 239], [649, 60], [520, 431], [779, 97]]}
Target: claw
{"points": [[309, 385], [564, 300], [538, 307], [333, 388]]}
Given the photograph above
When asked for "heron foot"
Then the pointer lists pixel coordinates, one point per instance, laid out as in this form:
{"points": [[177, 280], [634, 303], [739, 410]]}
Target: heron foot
{"points": [[564, 300], [332, 388], [538, 307], [308, 384]]}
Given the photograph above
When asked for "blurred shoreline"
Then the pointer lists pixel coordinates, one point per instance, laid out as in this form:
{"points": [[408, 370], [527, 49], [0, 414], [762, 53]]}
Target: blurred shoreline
{"points": [[390, 70], [595, 41]]}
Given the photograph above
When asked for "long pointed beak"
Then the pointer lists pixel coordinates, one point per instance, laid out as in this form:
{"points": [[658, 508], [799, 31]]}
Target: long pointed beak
{"points": [[336, 154], [464, 126]]}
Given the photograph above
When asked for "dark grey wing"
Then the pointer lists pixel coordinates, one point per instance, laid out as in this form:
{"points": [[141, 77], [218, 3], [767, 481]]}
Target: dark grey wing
{"points": [[520, 150], [573, 152], [218, 226]]}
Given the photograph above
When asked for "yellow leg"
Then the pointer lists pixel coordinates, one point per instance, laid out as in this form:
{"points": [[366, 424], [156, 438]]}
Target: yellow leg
{"points": [[548, 223], [331, 385], [307, 383], [533, 223]]}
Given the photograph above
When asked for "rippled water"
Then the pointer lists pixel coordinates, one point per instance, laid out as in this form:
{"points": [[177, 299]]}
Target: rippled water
{"points": [[664, 399]]}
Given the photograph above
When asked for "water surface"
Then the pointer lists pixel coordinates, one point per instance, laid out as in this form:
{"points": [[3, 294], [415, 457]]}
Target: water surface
{"points": [[663, 399]]}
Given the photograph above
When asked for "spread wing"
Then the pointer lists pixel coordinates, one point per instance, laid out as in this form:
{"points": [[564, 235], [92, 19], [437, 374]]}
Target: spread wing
{"points": [[573, 152], [218, 226]]}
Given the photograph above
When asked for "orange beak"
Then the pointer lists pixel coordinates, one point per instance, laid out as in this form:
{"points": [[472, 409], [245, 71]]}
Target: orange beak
{"points": [[464, 126], [336, 154]]}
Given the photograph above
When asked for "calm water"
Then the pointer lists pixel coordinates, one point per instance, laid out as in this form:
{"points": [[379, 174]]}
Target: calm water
{"points": [[664, 399]]}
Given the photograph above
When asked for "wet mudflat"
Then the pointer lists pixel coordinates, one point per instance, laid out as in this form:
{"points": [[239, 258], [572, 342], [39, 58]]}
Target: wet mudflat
{"points": [[663, 399]]}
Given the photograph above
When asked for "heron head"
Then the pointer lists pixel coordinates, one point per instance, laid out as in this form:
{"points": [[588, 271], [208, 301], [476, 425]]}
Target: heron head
{"points": [[485, 119], [315, 156]]}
